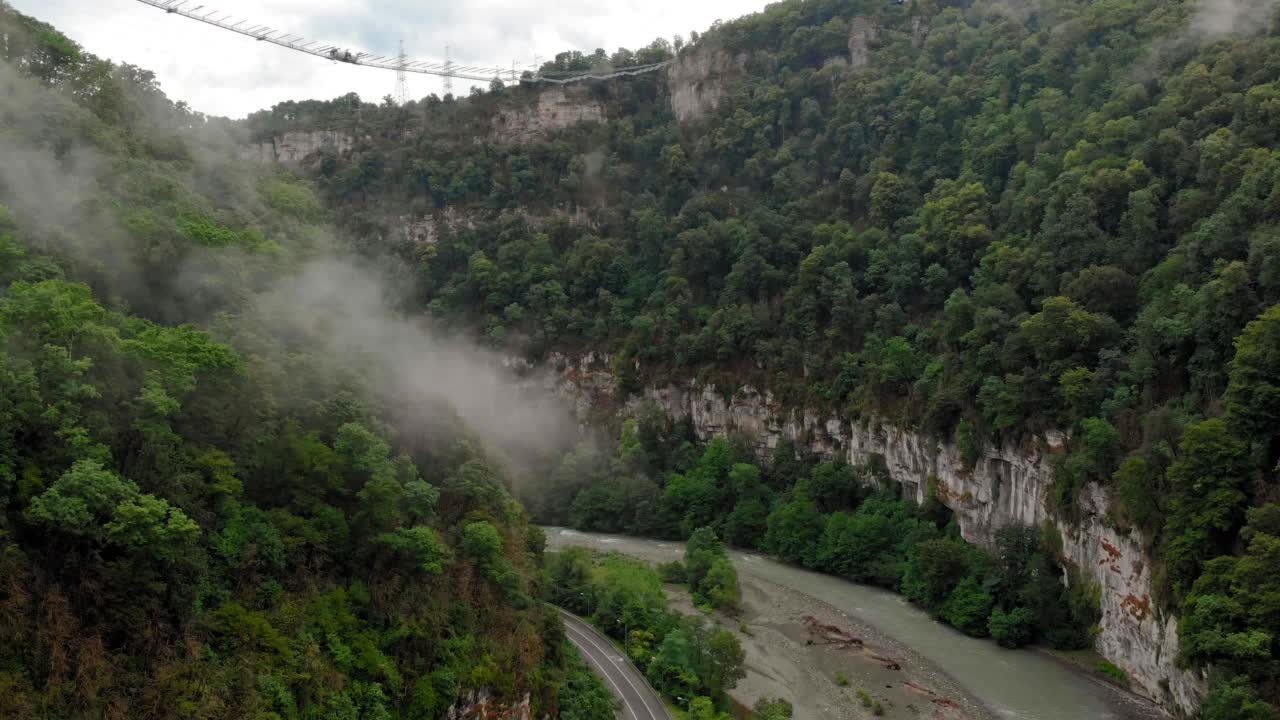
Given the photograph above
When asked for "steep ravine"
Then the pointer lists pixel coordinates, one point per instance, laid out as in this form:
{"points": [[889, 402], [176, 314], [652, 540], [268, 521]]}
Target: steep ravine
{"points": [[1008, 485]]}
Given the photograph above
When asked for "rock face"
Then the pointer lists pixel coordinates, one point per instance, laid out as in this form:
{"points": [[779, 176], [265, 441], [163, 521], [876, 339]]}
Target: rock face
{"points": [[479, 706], [297, 147], [555, 108], [920, 27], [862, 31], [1008, 485], [698, 81], [424, 230]]}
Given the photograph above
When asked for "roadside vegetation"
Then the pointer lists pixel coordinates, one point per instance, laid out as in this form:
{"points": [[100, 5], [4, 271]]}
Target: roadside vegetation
{"points": [[689, 662]]}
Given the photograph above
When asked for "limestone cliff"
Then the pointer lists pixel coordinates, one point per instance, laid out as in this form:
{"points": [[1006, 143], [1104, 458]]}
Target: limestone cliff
{"points": [[298, 147], [1008, 485], [423, 229], [699, 79], [554, 108], [479, 706], [862, 32]]}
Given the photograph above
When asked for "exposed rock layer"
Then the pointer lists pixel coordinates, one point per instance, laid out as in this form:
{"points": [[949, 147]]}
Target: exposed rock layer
{"points": [[699, 80], [297, 147], [1008, 485], [862, 31], [479, 706], [555, 108]]}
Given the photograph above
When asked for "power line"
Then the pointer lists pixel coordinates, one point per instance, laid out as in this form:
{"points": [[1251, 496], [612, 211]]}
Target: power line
{"points": [[400, 64]]}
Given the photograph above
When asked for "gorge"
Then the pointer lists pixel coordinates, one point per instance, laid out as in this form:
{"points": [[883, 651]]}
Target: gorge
{"points": [[971, 305], [1009, 485]]}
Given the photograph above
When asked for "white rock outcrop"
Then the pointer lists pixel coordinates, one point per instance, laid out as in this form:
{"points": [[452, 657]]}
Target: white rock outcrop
{"points": [[699, 80], [425, 229], [1008, 485], [297, 147], [862, 32], [481, 706], [554, 109]]}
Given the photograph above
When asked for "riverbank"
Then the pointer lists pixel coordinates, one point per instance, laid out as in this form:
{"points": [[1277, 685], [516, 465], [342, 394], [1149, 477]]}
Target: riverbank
{"points": [[798, 648], [983, 679]]}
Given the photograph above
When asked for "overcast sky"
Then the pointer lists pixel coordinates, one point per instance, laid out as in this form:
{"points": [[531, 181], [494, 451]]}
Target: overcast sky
{"points": [[221, 73]]}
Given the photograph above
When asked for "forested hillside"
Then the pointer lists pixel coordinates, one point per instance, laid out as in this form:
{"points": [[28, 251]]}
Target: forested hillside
{"points": [[205, 512], [979, 219]]}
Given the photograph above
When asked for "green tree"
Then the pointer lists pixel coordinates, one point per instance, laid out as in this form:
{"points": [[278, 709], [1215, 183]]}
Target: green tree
{"points": [[1012, 629], [1253, 393], [968, 608], [794, 529], [1207, 501], [934, 569]]}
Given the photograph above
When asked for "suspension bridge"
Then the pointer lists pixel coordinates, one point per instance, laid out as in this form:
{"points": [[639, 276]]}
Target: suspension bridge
{"points": [[397, 63]]}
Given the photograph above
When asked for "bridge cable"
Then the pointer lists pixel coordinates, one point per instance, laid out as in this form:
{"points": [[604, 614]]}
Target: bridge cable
{"points": [[446, 69]]}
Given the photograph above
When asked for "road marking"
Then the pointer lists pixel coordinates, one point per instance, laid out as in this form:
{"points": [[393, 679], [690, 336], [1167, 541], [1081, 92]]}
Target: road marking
{"points": [[607, 675], [625, 676]]}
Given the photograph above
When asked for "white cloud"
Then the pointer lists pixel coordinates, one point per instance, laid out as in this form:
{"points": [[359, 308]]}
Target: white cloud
{"points": [[221, 73]]}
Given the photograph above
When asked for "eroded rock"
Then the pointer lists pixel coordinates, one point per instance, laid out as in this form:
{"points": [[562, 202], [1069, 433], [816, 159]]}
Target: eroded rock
{"points": [[555, 108], [699, 81], [298, 147], [1008, 485]]}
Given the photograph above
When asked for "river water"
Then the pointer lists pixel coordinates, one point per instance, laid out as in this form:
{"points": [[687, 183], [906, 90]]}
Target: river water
{"points": [[1014, 684]]}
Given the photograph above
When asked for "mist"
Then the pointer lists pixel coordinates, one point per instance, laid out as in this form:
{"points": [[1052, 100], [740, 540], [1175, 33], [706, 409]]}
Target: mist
{"points": [[425, 376], [1216, 19], [336, 309]]}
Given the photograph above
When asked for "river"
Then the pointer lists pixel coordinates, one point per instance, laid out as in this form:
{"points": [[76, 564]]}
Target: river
{"points": [[1014, 684]]}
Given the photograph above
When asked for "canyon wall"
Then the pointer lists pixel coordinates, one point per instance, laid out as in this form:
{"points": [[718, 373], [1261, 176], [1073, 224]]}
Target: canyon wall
{"points": [[555, 108], [296, 147], [699, 80], [862, 32], [1008, 485], [480, 706]]}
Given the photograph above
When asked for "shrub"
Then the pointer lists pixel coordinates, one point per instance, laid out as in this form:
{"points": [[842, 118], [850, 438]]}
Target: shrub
{"points": [[772, 709], [969, 608], [1111, 672], [1012, 629], [672, 572]]}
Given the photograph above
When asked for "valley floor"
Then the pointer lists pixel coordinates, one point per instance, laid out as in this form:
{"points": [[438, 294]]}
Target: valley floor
{"points": [[786, 629], [787, 659]]}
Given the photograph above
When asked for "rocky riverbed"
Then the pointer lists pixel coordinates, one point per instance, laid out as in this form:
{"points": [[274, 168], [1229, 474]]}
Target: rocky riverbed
{"points": [[796, 628], [819, 658]]}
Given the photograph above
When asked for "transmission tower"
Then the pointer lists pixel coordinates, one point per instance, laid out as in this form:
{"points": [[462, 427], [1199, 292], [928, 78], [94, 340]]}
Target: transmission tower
{"points": [[448, 71], [402, 77]]}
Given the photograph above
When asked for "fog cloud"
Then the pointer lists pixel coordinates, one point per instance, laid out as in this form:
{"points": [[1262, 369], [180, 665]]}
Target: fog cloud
{"points": [[424, 375], [1216, 19], [331, 307]]}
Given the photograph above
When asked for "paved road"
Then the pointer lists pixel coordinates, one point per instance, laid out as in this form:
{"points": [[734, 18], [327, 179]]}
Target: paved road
{"points": [[639, 700]]}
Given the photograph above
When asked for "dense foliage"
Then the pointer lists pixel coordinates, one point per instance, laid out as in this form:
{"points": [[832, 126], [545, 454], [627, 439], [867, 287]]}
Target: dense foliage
{"points": [[829, 517], [684, 659], [207, 519], [707, 571], [977, 218]]}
